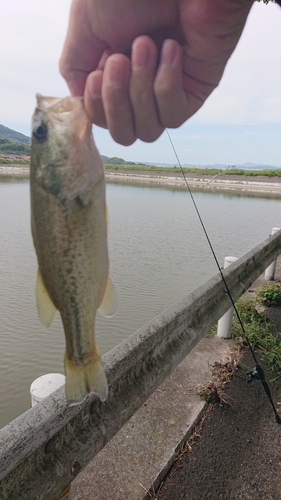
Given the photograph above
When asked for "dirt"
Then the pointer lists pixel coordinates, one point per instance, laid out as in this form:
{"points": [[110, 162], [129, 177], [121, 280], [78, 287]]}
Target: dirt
{"points": [[236, 452]]}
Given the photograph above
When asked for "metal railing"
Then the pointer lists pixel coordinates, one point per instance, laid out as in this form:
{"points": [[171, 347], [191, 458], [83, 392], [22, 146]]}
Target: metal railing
{"points": [[44, 449]]}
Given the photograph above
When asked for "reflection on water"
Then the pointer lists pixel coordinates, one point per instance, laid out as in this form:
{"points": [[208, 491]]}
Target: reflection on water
{"points": [[158, 254]]}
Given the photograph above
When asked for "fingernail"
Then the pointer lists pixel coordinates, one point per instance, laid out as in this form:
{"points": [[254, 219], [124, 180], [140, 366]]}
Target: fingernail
{"points": [[169, 51], [94, 85], [140, 58], [118, 74]]}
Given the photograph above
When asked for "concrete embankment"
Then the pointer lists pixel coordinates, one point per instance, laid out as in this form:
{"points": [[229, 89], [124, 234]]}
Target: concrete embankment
{"points": [[260, 184], [12, 171], [230, 183]]}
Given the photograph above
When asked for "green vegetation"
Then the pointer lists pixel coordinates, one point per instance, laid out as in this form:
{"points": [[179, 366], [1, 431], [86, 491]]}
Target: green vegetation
{"points": [[254, 173], [152, 168], [12, 135], [259, 331], [138, 167], [14, 178], [271, 294], [13, 147], [13, 161], [192, 170], [117, 161]]}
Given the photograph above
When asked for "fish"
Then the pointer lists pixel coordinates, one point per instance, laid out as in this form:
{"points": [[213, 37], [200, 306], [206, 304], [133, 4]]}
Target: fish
{"points": [[69, 230]]}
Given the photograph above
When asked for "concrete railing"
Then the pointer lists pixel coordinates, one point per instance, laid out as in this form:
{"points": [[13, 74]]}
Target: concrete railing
{"points": [[44, 449]]}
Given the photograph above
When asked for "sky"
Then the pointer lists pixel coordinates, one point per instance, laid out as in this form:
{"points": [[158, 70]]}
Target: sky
{"points": [[240, 122]]}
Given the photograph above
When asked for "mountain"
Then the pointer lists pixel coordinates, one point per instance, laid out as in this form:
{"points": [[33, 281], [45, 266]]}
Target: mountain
{"points": [[12, 135], [118, 161], [17, 137]]}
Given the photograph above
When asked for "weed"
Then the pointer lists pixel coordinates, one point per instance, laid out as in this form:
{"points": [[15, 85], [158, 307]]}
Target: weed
{"points": [[259, 331], [257, 326], [213, 331], [203, 393], [210, 393], [271, 293]]}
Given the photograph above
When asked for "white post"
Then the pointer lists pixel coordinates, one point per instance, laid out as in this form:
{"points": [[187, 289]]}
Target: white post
{"points": [[270, 270], [44, 386], [224, 324], [41, 388]]}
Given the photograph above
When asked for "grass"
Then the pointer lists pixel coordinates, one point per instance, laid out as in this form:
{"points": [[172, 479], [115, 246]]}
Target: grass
{"points": [[14, 178], [199, 171], [14, 161], [152, 168], [258, 327], [271, 294], [255, 173], [260, 332]]}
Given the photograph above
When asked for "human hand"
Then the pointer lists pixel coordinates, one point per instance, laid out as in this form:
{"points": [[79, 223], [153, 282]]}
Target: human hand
{"points": [[144, 65]]}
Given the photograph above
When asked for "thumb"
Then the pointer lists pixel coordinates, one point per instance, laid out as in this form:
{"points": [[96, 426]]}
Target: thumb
{"points": [[82, 50]]}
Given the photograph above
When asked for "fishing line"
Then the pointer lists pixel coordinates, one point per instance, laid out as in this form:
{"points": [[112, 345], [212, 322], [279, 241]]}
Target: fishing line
{"points": [[257, 373]]}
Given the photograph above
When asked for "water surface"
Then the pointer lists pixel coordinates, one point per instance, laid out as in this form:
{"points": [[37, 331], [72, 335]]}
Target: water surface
{"points": [[158, 254]]}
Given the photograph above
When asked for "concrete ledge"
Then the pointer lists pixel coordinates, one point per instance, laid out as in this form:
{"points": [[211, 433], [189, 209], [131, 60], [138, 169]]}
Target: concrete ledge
{"points": [[139, 456]]}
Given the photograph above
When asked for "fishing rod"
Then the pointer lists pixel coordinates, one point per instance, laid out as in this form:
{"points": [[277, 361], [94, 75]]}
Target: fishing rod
{"points": [[257, 373]]}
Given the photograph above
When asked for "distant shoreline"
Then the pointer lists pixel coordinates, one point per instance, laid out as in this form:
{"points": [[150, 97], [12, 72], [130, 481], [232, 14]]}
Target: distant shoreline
{"points": [[239, 183], [230, 183], [14, 173]]}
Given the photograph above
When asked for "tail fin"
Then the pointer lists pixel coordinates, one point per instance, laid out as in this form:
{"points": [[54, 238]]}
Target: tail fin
{"points": [[84, 379]]}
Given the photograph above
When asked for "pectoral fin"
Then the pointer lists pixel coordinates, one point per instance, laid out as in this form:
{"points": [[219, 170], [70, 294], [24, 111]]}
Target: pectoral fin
{"points": [[109, 305], [45, 307]]}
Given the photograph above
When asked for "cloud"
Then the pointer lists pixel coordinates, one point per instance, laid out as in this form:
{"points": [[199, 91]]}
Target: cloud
{"points": [[186, 137], [250, 88], [32, 33], [239, 122]]}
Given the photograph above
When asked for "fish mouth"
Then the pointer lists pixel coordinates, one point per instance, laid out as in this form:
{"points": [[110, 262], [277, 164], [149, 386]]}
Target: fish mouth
{"points": [[59, 104], [66, 110]]}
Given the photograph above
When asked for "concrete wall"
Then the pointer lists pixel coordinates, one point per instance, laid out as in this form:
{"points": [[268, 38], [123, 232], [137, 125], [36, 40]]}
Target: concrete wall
{"points": [[44, 449]]}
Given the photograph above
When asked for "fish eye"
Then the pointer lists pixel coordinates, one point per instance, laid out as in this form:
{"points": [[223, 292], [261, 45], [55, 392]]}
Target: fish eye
{"points": [[40, 131]]}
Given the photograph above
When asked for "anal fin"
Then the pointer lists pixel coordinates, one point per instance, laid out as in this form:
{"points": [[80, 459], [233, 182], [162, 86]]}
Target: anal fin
{"points": [[109, 305]]}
